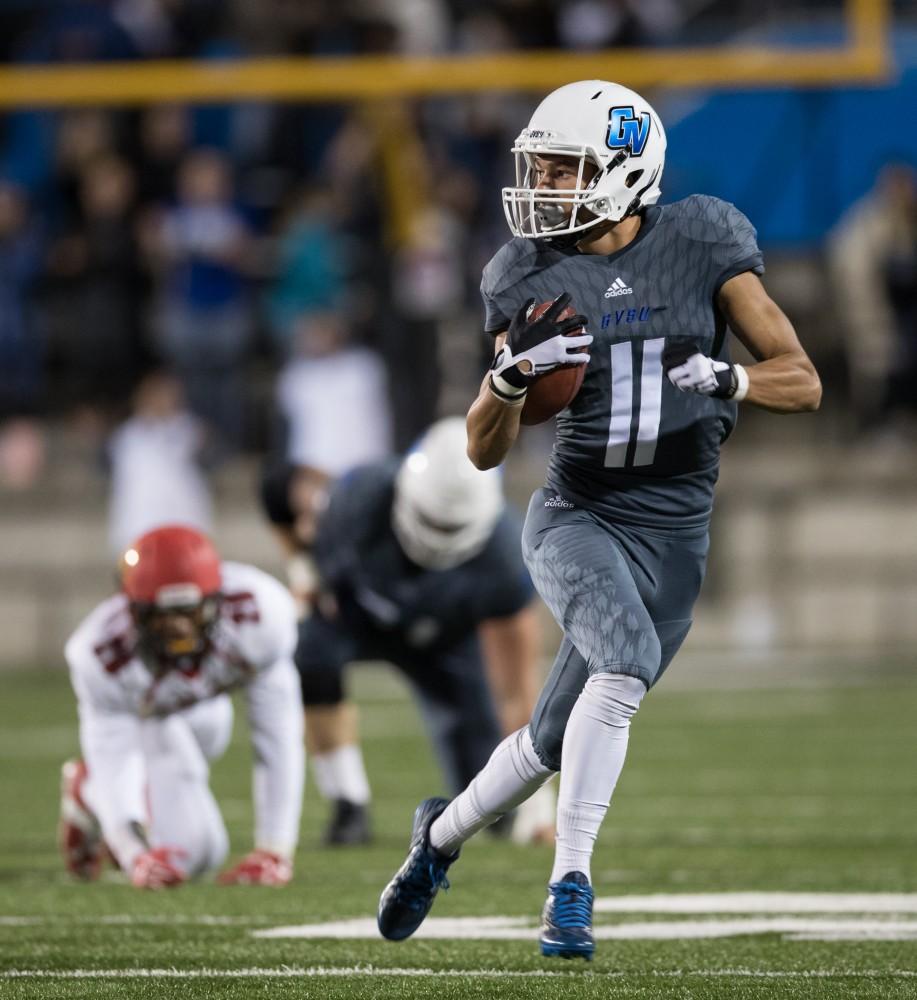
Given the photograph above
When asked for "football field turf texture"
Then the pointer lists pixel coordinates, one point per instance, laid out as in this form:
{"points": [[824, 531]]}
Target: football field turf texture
{"points": [[809, 792]]}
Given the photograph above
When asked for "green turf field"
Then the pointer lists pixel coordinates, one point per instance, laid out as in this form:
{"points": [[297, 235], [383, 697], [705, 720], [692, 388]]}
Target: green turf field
{"points": [[807, 790]]}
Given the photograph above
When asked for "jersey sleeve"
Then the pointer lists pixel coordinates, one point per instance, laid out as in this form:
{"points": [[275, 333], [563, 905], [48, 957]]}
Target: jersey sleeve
{"points": [[504, 270], [495, 318], [721, 242], [735, 249], [275, 716], [110, 742], [97, 650], [265, 614]]}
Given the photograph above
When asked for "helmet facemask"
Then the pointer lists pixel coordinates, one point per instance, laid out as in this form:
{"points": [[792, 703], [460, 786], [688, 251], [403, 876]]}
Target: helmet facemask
{"points": [[534, 213], [176, 628]]}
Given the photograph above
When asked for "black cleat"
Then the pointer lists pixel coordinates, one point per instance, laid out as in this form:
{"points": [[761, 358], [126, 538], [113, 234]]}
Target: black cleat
{"points": [[566, 922], [349, 825], [407, 899]]}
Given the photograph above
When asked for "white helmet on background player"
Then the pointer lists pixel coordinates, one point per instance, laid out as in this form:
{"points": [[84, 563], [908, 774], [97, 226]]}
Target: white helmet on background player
{"points": [[445, 509], [596, 122]]}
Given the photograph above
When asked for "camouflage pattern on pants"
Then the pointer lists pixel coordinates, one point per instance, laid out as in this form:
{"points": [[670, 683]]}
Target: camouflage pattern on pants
{"points": [[623, 596]]}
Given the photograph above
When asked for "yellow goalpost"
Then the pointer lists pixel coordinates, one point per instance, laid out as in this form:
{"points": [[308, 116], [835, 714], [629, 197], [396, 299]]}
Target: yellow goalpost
{"points": [[863, 58]]}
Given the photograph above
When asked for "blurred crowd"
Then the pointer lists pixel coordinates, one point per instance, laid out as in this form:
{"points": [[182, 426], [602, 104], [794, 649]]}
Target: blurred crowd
{"points": [[255, 252], [228, 245], [259, 270]]}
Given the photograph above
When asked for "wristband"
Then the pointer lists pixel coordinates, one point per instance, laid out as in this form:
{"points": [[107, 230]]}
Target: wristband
{"points": [[506, 392], [741, 384]]}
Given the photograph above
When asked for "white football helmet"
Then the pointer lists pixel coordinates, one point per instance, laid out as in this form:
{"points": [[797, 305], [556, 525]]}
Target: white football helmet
{"points": [[597, 122], [445, 509]]}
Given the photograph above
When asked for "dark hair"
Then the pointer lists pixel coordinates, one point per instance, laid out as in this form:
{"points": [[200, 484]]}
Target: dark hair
{"points": [[276, 479]]}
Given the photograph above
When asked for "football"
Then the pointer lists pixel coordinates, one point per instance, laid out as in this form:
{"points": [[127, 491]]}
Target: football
{"points": [[554, 391]]}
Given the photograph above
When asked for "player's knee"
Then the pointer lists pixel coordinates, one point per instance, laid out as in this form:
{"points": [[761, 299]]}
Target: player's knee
{"points": [[175, 768], [547, 744], [614, 698], [204, 846], [217, 847], [526, 759]]}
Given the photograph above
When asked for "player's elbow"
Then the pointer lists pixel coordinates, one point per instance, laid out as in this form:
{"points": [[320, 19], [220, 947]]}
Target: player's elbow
{"points": [[815, 395], [802, 393], [811, 394], [480, 458]]}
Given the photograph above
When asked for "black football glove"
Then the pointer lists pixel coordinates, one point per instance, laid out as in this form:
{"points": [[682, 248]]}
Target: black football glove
{"points": [[691, 371], [542, 342]]}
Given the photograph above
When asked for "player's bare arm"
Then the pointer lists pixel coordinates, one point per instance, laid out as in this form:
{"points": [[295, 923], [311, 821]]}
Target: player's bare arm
{"points": [[493, 422], [537, 341], [784, 380]]}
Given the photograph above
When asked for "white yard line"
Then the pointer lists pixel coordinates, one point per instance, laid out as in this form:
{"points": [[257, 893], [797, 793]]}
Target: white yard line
{"points": [[318, 972], [760, 902], [708, 903], [118, 919], [202, 919], [815, 929], [524, 929]]}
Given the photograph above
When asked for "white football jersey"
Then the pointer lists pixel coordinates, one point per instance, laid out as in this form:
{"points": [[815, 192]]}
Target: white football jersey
{"points": [[123, 703], [256, 628]]}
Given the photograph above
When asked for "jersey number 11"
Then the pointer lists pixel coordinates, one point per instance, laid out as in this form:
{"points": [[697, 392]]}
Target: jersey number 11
{"points": [[633, 434]]}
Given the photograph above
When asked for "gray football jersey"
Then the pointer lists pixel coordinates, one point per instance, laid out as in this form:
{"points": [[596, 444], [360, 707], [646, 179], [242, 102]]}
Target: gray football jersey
{"points": [[631, 444]]}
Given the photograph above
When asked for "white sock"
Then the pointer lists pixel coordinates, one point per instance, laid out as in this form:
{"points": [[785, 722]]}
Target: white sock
{"points": [[512, 774], [340, 774], [595, 743]]}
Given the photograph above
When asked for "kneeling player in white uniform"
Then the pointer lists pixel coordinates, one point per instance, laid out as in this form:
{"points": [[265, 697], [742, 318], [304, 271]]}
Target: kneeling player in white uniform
{"points": [[151, 668]]}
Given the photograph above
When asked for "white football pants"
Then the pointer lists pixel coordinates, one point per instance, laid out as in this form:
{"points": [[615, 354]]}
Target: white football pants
{"points": [[181, 810]]}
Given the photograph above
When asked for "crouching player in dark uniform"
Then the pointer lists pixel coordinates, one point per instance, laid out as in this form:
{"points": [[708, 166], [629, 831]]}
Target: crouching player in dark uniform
{"points": [[616, 541], [418, 564]]}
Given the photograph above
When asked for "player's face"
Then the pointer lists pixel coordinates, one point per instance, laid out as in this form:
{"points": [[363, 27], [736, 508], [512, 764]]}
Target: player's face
{"points": [[177, 632], [555, 174], [560, 173], [308, 498]]}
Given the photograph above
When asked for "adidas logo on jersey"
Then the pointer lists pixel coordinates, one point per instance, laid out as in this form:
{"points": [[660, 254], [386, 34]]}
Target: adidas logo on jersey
{"points": [[616, 288], [558, 501]]}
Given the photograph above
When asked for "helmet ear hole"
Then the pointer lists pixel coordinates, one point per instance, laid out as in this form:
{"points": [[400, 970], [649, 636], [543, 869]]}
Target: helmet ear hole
{"points": [[633, 177]]}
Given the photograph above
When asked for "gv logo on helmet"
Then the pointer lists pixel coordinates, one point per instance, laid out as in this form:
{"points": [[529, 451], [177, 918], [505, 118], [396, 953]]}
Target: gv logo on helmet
{"points": [[625, 129]]}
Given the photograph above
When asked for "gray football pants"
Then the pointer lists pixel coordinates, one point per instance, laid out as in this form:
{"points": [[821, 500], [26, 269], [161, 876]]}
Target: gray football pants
{"points": [[623, 596]]}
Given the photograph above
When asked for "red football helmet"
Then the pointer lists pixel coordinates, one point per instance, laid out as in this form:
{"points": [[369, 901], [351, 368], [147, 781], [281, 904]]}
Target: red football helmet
{"points": [[171, 575]]}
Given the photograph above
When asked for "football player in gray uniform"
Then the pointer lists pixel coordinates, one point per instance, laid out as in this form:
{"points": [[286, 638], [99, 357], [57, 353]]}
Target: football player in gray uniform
{"points": [[616, 541]]}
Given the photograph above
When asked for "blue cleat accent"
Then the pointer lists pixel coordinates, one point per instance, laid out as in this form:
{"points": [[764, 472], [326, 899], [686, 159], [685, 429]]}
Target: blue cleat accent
{"points": [[566, 922], [407, 899]]}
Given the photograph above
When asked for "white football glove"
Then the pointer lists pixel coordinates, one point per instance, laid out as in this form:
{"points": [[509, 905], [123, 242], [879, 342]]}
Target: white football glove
{"points": [[691, 371]]}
